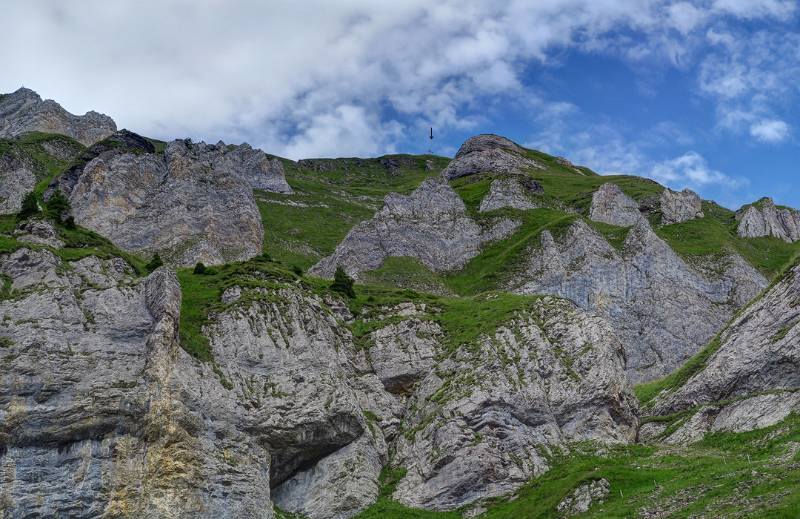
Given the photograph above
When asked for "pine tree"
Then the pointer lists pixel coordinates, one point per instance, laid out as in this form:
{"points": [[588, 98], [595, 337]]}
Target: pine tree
{"points": [[30, 206], [343, 283]]}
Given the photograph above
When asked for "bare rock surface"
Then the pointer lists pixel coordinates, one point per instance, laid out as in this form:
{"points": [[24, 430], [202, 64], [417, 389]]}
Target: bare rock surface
{"points": [[610, 205], [430, 225], [40, 232], [17, 178], [488, 152], [758, 352], [764, 218], [191, 204], [662, 309], [24, 111], [510, 192], [680, 206]]}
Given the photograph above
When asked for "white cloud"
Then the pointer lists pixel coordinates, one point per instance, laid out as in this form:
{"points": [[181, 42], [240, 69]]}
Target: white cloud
{"points": [[770, 130], [691, 170], [292, 75]]}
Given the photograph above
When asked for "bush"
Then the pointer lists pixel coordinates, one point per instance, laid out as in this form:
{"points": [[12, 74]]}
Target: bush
{"points": [[69, 223], [297, 270], [199, 268], [266, 257], [58, 206], [30, 206], [154, 263], [343, 283]]}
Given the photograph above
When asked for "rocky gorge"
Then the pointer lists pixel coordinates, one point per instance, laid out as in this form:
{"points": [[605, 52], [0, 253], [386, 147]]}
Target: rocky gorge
{"points": [[579, 337]]}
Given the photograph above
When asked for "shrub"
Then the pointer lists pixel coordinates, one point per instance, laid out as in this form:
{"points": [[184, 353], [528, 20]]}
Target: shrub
{"points": [[266, 257], [154, 263], [199, 268], [30, 206], [297, 270], [58, 206], [343, 283], [69, 223]]}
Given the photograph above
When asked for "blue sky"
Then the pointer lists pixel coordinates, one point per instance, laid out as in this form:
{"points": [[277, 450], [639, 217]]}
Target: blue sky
{"points": [[694, 93]]}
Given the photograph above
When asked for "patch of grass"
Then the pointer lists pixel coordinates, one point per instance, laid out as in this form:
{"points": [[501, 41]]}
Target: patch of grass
{"points": [[614, 235], [405, 272]]}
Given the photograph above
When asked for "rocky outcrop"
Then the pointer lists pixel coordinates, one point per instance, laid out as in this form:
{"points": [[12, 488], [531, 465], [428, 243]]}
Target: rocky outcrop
{"points": [[757, 353], [583, 497], [486, 418], [610, 205], [192, 204], [430, 225], [764, 218], [39, 232], [510, 192], [24, 111], [17, 178], [102, 412], [489, 153], [257, 168], [677, 207], [662, 309]]}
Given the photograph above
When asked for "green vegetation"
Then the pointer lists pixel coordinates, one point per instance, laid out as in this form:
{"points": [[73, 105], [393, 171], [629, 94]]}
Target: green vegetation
{"points": [[405, 272], [154, 263], [30, 206], [343, 283], [756, 474]]}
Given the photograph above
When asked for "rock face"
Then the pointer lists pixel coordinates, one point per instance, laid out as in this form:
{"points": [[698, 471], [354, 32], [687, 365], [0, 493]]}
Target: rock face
{"points": [[484, 420], [96, 390], [758, 352], [430, 225], [17, 178], [765, 219], [510, 192], [260, 171], [191, 204], [677, 207], [488, 153], [662, 309], [24, 111], [610, 205]]}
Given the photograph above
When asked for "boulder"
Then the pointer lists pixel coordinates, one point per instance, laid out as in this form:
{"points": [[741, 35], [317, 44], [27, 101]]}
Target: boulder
{"points": [[677, 207]]}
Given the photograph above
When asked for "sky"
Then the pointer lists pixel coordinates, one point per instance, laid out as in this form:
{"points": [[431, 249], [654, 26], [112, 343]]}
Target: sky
{"points": [[701, 94]]}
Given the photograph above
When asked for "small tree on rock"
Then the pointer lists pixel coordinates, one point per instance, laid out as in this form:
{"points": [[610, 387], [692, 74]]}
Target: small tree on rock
{"points": [[30, 206], [58, 206], [343, 283]]}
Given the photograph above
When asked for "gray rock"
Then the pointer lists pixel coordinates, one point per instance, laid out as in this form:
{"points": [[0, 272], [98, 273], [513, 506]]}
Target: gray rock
{"points": [[758, 352], [583, 497], [511, 192], [17, 179], [402, 354], [662, 309], [485, 420], [188, 205], [765, 219], [258, 169], [610, 205], [24, 111], [677, 207], [489, 153], [430, 225], [39, 232]]}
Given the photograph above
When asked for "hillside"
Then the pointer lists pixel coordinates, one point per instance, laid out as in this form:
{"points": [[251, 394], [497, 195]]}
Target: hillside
{"points": [[526, 338]]}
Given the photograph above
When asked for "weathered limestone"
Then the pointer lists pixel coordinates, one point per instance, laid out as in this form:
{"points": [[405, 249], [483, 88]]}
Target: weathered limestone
{"points": [[488, 153], [765, 219], [510, 192], [610, 205], [677, 207]]}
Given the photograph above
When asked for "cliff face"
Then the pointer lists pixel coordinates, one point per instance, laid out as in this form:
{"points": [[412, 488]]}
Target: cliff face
{"points": [[97, 390], [24, 111], [488, 153], [765, 219]]}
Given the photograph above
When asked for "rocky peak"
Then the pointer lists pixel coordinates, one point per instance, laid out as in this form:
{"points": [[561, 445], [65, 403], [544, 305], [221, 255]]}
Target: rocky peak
{"points": [[24, 111], [677, 207], [488, 153], [764, 218], [610, 205]]}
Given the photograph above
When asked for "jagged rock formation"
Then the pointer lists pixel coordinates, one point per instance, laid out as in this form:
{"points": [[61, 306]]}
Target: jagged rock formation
{"points": [[511, 192], [191, 204], [677, 207], [257, 168], [583, 497], [765, 219], [662, 309], [430, 225], [484, 420], [39, 232], [488, 153], [17, 178], [24, 111], [97, 390], [753, 379], [610, 205]]}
